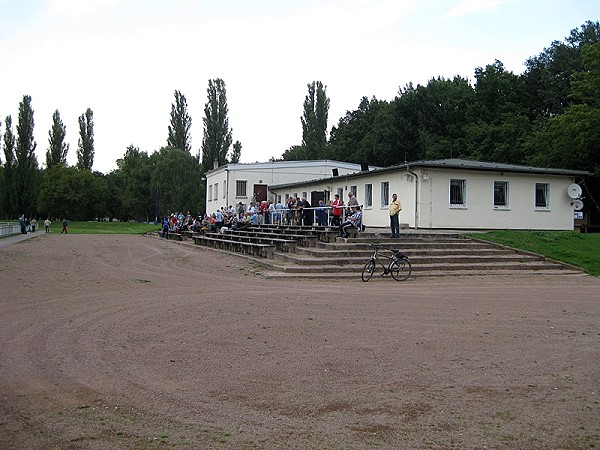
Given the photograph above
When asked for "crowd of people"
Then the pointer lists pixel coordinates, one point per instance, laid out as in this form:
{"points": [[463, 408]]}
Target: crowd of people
{"points": [[295, 211]]}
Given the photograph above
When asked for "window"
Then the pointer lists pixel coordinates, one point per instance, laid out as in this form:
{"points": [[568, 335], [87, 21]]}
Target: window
{"points": [[368, 195], [224, 188], [541, 195], [216, 191], [458, 191], [500, 194], [240, 188], [340, 192], [385, 193], [210, 192], [353, 190], [304, 194]]}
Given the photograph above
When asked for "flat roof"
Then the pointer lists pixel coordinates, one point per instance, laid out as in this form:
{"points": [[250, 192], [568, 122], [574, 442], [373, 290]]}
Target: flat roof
{"points": [[463, 164]]}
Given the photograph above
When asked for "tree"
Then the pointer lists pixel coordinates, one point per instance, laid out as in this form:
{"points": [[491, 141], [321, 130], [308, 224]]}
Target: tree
{"points": [[85, 152], [179, 130], [178, 174], [9, 207], [58, 149], [548, 75], [237, 152], [76, 194], [571, 140], [314, 120], [137, 189], [217, 135], [26, 162], [367, 135]]}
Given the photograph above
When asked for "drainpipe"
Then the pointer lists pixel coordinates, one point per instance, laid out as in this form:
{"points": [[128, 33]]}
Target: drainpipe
{"points": [[416, 195], [227, 188]]}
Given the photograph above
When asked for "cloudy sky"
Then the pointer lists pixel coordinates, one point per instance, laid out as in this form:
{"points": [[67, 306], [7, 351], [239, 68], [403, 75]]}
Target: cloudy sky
{"points": [[125, 58]]}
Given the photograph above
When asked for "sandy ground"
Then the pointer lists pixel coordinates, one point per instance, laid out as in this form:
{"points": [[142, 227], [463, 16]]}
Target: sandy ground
{"points": [[134, 342]]}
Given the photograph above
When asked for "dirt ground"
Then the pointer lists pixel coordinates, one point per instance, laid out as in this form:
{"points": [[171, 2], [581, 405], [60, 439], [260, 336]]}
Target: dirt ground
{"points": [[133, 342]]}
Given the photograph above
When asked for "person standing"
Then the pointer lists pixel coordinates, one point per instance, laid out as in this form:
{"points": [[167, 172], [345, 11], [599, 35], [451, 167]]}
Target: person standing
{"points": [[33, 225], [47, 224], [352, 203], [23, 224], [337, 204], [395, 208]]}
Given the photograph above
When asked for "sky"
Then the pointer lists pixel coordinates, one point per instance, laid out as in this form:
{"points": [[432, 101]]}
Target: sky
{"points": [[125, 59]]}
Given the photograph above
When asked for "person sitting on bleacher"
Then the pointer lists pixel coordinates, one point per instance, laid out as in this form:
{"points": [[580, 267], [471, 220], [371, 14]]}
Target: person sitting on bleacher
{"points": [[352, 221]]}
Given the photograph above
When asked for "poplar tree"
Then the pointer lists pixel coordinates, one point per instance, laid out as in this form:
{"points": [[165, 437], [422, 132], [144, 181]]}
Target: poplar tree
{"points": [[217, 135], [58, 149], [314, 120], [25, 160], [85, 152], [179, 130], [8, 199]]}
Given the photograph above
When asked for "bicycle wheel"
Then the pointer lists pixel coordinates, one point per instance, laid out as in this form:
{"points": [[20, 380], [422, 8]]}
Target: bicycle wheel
{"points": [[400, 269], [368, 270]]}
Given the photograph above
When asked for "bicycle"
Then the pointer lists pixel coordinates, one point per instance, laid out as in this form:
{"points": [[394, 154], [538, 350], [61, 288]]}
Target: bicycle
{"points": [[399, 265]]}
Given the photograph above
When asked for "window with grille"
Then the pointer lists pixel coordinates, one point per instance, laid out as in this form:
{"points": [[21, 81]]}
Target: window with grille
{"points": [[216, 191], [210, 189], [541, 195], [240, 188], [458, 191], [500, 194]]}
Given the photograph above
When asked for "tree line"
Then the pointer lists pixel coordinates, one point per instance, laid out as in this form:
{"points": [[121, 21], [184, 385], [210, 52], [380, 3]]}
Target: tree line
{"points": [[548, 116], [142, 187]]}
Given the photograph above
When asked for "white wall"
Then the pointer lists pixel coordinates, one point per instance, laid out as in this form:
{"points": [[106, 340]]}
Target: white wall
{"points": [[425, 199], [277, 172], [435, 210]]}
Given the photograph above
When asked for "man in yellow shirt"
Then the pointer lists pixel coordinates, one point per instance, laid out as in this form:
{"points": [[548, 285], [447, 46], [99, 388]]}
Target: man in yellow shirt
{"points": [[395, 208]]}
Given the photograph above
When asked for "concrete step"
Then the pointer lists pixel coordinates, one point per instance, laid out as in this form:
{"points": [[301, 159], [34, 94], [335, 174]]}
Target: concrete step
{"points": [[430, 257], [331, 260]]}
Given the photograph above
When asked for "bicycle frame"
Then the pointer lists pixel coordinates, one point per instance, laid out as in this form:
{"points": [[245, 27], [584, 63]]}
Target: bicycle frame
{"points": [[398, 265]]}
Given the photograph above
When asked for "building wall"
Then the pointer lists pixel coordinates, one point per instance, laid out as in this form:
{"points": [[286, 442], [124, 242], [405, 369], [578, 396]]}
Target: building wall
{"points": [[278, 172], [480, 212], [425, 198]]}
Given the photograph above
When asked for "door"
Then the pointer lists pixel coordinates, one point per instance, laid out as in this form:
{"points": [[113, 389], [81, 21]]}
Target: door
{"points": [[260, 192]]}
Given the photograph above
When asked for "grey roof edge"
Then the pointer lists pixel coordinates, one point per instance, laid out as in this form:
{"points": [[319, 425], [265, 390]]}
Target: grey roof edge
{"points": [[265, 164], [447, 164]]}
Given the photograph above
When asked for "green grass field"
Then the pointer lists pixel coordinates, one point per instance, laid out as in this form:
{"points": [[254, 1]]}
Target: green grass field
{"points": [[581, 250], [103, 227]]}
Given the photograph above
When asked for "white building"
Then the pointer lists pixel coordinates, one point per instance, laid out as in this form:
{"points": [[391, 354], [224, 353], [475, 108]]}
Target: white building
{"points": [[234, 183], [454, 193]]}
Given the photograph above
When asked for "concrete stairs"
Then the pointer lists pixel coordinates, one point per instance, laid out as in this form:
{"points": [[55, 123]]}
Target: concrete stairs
{"points": [[431, 254]]}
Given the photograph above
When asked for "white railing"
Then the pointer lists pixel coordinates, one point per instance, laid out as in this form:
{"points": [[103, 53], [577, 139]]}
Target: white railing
{"points": [[9, 229], [294, 216]]}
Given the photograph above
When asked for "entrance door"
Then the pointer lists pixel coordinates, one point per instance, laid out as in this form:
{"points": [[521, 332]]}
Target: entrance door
{"points": [[260, 192], [315, 196]]}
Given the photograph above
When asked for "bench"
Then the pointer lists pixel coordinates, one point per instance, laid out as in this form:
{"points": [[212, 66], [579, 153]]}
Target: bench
{"points": [[304, 239], [176, 236], [283, 245], [250, 248]]}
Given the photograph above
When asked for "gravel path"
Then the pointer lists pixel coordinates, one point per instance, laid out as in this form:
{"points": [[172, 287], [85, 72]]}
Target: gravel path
{"points": [[132, 342]]}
